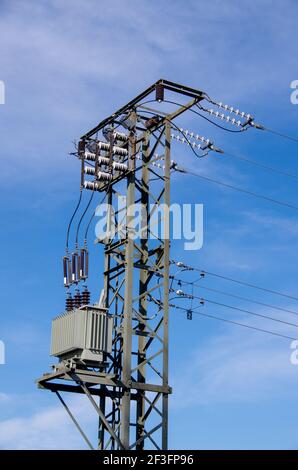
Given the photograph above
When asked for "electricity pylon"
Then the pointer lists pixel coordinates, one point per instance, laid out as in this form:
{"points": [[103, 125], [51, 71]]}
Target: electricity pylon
{"points": [[132, 383]]}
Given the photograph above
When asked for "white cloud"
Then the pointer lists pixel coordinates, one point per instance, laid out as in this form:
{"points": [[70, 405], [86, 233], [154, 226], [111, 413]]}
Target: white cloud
{"points": [[50, 428], [67, 64], [239, 366]]}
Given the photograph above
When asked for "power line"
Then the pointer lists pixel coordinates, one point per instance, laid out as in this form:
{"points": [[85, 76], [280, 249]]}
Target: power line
{"points": [[92, 216], [238, 309], [261, 165], [83, 215], [206, 118], [72, 217], [274, 307], [280, 134], [228, 154], [254, 286], [214, 317], [189, 142], [236, 188]]}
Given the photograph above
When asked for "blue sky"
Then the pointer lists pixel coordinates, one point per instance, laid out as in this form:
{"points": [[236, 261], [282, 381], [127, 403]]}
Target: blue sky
{"points": [[66, 65]]}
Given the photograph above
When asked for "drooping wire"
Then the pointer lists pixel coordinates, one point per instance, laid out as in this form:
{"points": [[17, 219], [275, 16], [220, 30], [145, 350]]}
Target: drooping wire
{"points": [[92, 216], [236, 188], [261, 165], [228, 294], [245, 159], [205, 117], [83, 215], [238, 309], [280, 134], [254, 286], [189, 142], [216, 124], [214, 317], [72, 217]]}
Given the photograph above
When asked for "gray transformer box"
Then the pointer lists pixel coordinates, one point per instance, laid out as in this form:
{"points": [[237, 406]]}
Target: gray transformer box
{"points": [[84, 334]]}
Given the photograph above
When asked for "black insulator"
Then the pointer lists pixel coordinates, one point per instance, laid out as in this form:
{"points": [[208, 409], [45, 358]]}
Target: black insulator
{"points": [[189, 314], [74, 267], [86, 263], [69, 302], [77, 299], [65, 271], [159, 92], [83, 266], [81, 146], [85, 296]]}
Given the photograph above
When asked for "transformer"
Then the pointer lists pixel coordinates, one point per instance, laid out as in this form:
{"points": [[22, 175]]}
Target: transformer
{"points": [[82, 335]]}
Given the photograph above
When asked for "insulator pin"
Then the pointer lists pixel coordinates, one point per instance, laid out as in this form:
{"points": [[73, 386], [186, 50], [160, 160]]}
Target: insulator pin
{"points": [[77, 299], [66, 272], [105, 146], [85, 296], [74, 267], [83, 270], [69, 302]]}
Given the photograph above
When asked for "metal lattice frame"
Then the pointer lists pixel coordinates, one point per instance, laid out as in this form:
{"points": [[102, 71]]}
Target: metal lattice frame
{"points": [[133, 390]]}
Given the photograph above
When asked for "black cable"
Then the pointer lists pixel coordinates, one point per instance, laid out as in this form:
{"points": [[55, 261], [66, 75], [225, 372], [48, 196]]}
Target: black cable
{"points": [[92, 216], [205, 117], [72, 217], [261, 165], [239, 157], [238, 309], [274, 307], [241, 190], [145, 102], [189, 142], [285, 136], [235, 323], [218, 125], [254, 286], [83, 215], [245, 159]]}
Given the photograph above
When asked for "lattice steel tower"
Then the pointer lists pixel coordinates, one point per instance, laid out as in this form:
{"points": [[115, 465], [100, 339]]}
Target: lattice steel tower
{"points": [[116, 351]]}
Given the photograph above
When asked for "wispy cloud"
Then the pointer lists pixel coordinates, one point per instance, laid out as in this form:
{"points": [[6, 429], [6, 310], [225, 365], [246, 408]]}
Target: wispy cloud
{"points": [[239, 366], [50, 428], [65, 69]]}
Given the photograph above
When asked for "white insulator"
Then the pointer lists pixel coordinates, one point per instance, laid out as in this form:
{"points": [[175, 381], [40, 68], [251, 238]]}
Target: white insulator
{"points": [[224, 117], [102, 161], [89, 170], [93, 186], [119, 166], [103, 145], [116, 150], [90, 156], [116, 165], [231, 109], [120, 136], [187, 142], [101, 175], [179, 292]]}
